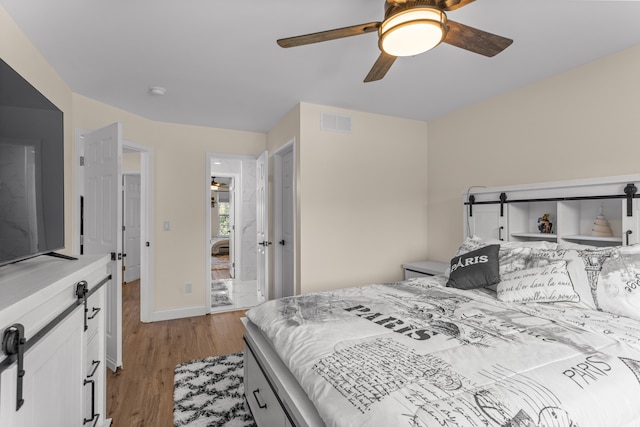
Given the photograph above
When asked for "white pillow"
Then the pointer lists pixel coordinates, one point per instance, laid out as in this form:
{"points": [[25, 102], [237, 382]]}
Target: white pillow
{"points": [[618, 288], [547, 283]]}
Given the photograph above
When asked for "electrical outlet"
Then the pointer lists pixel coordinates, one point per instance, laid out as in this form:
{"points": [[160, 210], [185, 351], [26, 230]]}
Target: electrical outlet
{"points": [[166, 226], [187, 288]]}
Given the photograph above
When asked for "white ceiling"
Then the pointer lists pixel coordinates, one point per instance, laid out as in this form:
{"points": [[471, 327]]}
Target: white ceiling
{"points": [[221, 66]]}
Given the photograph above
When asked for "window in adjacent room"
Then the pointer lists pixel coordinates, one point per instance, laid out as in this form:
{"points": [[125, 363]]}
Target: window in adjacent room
{"points": [[223, 214]]}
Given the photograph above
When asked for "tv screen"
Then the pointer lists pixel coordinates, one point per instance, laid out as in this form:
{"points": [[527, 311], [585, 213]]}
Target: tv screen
{"points": [[31, 170]]}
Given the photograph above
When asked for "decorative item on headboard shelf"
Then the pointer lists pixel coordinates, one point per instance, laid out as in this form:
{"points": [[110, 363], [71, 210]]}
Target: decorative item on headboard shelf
{"points": [[544, 223], [600, 226]]}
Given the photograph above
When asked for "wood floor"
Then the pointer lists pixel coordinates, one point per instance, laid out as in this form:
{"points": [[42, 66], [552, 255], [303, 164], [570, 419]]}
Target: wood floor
{"points": [[141, 393]]}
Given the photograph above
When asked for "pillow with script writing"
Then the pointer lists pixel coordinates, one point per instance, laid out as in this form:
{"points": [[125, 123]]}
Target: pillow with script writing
{"points": [[546, 283], [618, 282], [475, 269]]}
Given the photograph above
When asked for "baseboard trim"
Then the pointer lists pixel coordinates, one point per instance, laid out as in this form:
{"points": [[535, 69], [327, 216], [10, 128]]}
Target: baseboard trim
{"points": [[178, 313]]}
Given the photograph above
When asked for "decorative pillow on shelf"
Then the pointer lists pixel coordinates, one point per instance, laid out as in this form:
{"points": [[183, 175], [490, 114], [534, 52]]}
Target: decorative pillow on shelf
{"points": [[618, 284], [475, 269], [545, 283]]}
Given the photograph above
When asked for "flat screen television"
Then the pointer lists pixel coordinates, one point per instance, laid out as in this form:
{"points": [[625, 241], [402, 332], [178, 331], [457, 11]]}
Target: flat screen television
{"points": [[31, 170]]}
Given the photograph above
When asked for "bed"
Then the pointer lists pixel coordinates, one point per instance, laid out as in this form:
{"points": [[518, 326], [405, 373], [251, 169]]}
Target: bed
{"points": [[515, 334]]}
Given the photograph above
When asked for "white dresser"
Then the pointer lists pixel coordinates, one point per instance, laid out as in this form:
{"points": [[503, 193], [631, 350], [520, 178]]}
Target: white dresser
{"points": [[58, 306]]}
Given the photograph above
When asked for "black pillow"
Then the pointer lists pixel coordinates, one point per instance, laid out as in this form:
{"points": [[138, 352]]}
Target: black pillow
{"points": [[475, 269]]}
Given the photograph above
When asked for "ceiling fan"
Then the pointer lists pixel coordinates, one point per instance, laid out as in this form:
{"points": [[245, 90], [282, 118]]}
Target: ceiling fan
{"points": [[215, 186], [411, 27]]}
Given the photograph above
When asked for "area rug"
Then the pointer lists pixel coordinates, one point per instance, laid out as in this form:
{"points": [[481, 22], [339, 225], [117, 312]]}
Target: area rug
{"points": [[221, 293], [210, 392]]}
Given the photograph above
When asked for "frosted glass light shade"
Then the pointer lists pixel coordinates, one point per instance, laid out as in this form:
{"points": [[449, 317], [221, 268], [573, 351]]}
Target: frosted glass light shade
{"points": [[412, 31]]}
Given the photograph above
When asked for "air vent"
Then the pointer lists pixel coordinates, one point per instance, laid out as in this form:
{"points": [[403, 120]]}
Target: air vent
{"points": [[335, 122]]}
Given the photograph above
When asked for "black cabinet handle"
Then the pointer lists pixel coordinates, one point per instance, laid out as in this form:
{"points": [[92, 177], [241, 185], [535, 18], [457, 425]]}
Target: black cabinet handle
{"points": [[500, 232], [627, 235], [95, 312], [95, 364], [255, 396], [94, 417]]}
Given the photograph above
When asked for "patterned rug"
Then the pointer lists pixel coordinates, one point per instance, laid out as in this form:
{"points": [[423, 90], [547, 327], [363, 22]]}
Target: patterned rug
{"points": [[210, 392], [221, 293]]}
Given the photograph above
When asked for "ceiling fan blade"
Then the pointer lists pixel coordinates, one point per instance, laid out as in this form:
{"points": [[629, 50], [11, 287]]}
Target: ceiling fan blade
{"points": [[323, 36], [380, 68], [475, 40], [452, 4]]}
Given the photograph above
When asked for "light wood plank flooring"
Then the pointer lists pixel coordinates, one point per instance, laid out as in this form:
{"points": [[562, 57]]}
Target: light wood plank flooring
{"points": [[141, 393]]}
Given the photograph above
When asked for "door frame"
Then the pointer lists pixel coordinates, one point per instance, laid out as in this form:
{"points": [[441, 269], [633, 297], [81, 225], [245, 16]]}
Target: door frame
{"points": [[278, 214], [235, 246], [237, 177], [146, 216]]}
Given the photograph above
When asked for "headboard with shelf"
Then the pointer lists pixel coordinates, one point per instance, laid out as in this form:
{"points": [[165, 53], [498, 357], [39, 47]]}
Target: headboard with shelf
{"points": [[512, 213]]}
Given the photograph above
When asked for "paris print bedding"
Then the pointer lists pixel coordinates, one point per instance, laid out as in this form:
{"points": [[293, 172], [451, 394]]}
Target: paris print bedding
{"points": [[419, 353]]}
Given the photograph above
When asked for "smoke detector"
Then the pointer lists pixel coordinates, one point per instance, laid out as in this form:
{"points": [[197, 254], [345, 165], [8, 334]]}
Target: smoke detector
{"points": [[157, 91]]}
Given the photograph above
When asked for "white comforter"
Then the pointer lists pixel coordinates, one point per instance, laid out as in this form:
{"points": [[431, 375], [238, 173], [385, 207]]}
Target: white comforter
{"points": [[418, 354]]}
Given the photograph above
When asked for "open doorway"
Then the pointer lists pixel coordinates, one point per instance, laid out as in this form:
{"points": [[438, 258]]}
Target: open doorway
{"points": [[231, 221], [223, 224], [137, 220]]}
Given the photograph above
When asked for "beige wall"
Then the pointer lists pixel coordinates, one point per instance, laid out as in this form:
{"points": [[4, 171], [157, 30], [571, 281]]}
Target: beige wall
{"points": [[579, 124], [363, 204]]}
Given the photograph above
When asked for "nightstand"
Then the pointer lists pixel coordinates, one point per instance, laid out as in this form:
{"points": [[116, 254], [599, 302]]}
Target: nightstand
{"points": [[424, 268]]}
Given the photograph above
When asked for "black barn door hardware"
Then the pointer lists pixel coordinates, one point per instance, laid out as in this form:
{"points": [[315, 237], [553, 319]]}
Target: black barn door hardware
{"points": [[630, 190], [503, 198], [94, 416], [15, 344], [630, 193]]}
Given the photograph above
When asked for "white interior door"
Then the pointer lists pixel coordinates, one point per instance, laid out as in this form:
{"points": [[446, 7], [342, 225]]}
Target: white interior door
{"points": [[132, 228], [232, 228], [287, 220], [103, 222], [262, 223]]}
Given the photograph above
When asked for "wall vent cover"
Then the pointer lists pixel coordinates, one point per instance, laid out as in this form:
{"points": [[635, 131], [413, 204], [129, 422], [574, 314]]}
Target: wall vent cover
{"points": [[335, 122]]}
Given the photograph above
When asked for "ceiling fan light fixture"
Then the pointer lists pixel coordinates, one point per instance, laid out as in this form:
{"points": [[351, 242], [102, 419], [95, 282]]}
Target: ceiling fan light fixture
{"points": [[215, 186], [412, 31]]}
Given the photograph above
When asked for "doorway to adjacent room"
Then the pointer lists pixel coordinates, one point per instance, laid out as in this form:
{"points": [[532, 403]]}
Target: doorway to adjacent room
{"points": [[231, 244]]}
